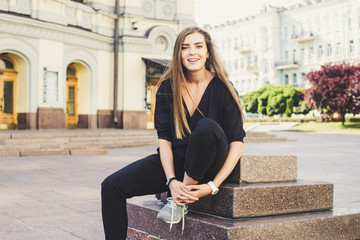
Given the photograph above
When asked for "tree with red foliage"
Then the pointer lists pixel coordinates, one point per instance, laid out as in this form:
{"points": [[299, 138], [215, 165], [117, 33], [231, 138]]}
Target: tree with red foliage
{"points": [[335, 89]]}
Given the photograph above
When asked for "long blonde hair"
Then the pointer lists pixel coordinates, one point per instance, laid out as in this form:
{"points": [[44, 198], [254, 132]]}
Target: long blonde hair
{"points": [[176, 72]]}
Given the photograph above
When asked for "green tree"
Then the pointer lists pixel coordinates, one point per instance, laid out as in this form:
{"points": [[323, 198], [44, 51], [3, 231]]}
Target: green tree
{"points": [[272, 100]]}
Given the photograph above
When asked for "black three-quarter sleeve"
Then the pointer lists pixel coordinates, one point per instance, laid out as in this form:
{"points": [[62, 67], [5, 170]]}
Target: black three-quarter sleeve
{"points": [[233, 124], [163, 111]]}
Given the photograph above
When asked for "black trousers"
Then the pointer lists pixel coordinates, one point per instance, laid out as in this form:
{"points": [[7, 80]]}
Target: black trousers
{"points": [[202, 159]]}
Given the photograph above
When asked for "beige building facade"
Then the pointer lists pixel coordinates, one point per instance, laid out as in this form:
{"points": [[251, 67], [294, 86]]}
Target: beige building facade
{"points": [[57, 61]]}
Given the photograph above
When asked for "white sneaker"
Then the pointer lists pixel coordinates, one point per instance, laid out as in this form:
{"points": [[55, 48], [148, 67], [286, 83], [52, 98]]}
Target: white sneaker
{"points": [[173, 213]]}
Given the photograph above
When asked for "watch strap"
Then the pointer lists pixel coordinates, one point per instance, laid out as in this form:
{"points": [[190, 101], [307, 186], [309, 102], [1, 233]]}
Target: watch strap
{"points": [[169, 180], [214, 189]]}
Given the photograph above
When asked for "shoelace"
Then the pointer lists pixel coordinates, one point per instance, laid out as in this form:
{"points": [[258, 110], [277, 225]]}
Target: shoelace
{"points": [[173, 205]]}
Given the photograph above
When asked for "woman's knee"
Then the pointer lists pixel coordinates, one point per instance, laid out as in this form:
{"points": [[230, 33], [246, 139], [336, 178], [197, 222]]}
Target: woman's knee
{"points": [[207, 127], [113, 185]]}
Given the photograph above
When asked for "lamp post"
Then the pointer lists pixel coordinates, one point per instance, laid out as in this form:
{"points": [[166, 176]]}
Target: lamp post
{"points": [[116, 60]]}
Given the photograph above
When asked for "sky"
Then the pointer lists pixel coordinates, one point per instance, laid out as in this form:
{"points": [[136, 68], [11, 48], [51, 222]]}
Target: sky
{"points": [[220, 11]]}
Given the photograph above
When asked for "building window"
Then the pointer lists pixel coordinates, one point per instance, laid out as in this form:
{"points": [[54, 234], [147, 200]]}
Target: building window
{"points": [[294, 56], [328, 52], [309, 25], [294, 78], [293, 30], [302, 54], [318, 25], [266, 67], [336, 21], [311, 52], [286, 79], [320, 51], [285, 33], [351, 46], [327, 22], [349, 22], [286, 55], [303, 78], [338, 48]]}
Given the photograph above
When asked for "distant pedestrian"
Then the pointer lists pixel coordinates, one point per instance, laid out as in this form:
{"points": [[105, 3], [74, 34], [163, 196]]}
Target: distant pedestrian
{"points": [[200, 129]]}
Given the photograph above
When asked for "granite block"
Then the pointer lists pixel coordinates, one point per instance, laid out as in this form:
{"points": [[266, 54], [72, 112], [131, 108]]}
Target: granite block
{"points": [[337, 224], [256, 169], [264, 199]]}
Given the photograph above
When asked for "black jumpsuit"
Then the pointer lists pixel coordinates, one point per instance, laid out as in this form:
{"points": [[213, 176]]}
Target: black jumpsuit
{"points": [[201, 154]]}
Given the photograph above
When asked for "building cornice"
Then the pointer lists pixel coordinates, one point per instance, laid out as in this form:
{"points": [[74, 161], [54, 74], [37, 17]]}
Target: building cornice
{"points": [[27, 27]]}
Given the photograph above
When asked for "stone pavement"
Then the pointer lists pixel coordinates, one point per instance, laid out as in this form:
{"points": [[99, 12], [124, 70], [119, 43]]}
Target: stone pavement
{"points": [[58, 197], [271, 126]]}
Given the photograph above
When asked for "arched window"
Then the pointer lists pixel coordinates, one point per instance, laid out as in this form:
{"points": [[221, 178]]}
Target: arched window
{"points": [[70, 72], [6, 64]]}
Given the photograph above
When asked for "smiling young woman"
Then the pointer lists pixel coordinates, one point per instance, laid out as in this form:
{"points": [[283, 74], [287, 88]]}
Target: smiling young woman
{"points": [[200, 129]]}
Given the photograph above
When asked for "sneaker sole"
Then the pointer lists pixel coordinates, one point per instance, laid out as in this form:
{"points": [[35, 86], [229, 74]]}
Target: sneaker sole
{"points": [[173, 221]]}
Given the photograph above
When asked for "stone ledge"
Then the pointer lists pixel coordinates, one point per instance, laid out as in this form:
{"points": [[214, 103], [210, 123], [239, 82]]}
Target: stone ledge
{"points": [[338, 224], [249, 200], [256, 169]]}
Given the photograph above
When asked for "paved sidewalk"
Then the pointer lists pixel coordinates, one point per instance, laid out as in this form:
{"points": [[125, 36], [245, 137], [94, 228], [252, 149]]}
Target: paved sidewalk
{"points": [[58, 197], [271, 126]]}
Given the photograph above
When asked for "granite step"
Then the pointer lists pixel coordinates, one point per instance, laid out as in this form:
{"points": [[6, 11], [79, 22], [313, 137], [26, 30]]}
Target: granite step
{"points": [[47, 152], [23, 141], [10, 147], [76, 133], [9, 153], [111, 138], [257, 169], [122, 144], [264, 199], [27, 153], [336, 224], [88, 152], [61, 142]]}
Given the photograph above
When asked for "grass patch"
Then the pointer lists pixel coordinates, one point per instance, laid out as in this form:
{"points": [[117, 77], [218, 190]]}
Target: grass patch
{"points": [[325, 126]]}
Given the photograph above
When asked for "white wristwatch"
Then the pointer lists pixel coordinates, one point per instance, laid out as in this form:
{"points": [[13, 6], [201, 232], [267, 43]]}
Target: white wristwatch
{"points": [[214, 189]]}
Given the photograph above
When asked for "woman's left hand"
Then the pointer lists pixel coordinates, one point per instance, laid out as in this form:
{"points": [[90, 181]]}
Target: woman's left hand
{"points": [[200, 190]]}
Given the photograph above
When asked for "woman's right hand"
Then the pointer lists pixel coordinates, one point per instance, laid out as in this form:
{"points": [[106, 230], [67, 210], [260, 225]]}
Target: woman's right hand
{"points": [[180, 193]]}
